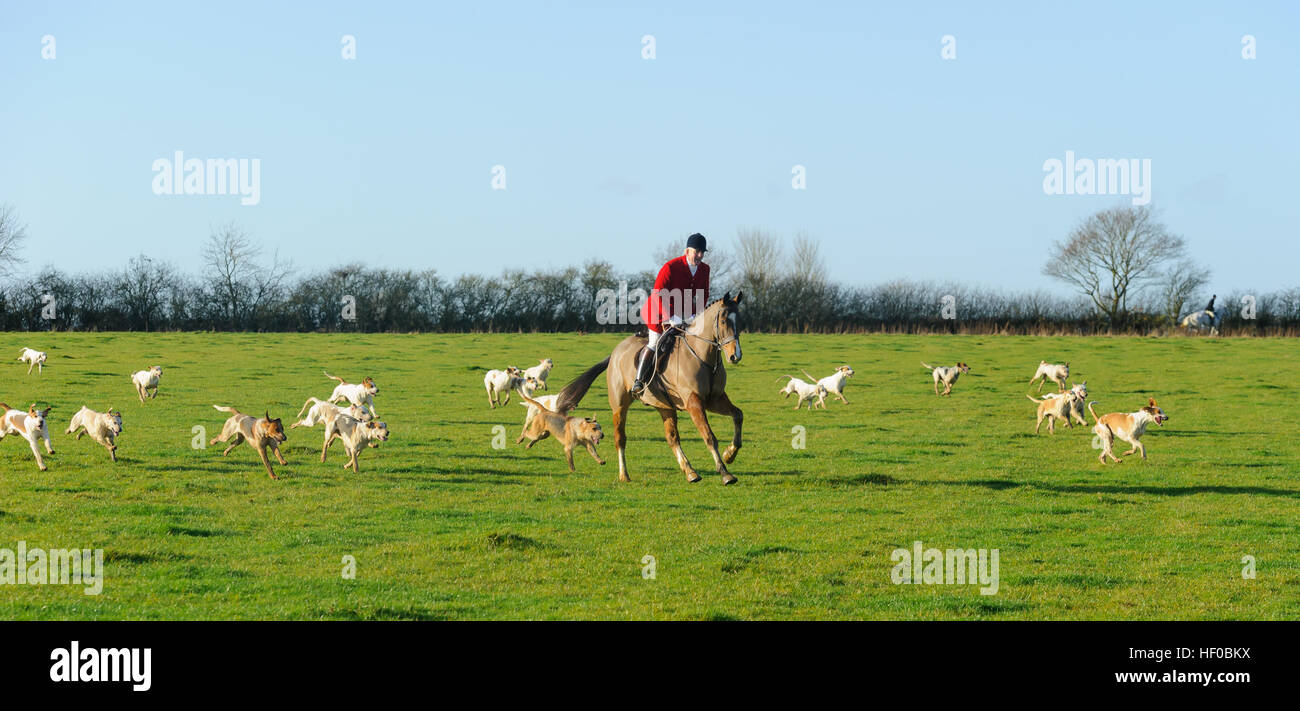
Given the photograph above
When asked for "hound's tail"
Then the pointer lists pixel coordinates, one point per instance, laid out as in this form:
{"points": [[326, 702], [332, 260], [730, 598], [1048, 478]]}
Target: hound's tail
{"points": [[1094, 414], [572, 393], [534, 403], [927, 365], [791, 377], [223, 408], [811, 377], [1031, 398], [335, 377], [310, 401]]}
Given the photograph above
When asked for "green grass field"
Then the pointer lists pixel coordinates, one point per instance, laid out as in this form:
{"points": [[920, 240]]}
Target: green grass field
{"points": [[444, 526]]}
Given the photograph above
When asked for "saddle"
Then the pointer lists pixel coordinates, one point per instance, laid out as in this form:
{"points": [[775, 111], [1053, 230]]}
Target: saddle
{"points": [[662, 350]]}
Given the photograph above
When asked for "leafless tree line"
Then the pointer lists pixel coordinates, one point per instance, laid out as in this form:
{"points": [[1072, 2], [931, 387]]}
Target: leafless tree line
{"points": [[1131, 276]]}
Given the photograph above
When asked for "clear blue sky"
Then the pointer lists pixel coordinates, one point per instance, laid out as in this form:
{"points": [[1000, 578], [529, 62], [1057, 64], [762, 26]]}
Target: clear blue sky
{"points": [[917, 167]]}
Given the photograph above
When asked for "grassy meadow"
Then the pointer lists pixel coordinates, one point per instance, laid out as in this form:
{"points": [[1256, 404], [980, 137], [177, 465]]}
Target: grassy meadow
{"points": [[443, 525]]}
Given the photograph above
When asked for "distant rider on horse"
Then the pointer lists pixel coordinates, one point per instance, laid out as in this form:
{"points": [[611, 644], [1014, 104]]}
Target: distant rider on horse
{"points": [[680, 291]]}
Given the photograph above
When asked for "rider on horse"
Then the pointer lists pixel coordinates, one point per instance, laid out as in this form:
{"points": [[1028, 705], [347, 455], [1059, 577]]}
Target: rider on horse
{"points": [[681, 288]]}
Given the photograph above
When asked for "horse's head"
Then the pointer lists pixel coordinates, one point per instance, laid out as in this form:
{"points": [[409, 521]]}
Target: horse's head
{"points": [[728, 326]]}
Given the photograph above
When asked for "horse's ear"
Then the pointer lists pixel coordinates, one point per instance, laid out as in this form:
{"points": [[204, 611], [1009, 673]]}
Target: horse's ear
{"points": [[739, 295], [726, 298]]}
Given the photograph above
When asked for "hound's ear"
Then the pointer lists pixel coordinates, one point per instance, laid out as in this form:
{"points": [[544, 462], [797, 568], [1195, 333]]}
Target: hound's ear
{"points": [[1151, 401], [267, 416]]}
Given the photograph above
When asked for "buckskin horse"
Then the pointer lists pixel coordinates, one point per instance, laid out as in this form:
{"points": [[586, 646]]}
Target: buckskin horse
{"points": [[691, 378]]}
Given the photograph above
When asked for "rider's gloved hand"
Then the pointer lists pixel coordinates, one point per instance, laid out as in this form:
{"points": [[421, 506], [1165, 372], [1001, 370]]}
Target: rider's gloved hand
{"points": [[675, 320]]}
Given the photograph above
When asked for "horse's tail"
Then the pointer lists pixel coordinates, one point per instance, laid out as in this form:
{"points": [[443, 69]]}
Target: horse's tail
{"points": [[571, 395]]}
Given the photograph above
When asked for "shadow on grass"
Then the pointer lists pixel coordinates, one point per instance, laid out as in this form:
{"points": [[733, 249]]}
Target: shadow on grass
{"points": [[1169, 490], [744, 560], [999, 484], [859, 480], [140, 558], [389, 613]]}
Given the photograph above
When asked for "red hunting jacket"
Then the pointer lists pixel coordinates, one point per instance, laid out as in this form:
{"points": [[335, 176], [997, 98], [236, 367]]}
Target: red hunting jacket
{"points": [[676, 293]]}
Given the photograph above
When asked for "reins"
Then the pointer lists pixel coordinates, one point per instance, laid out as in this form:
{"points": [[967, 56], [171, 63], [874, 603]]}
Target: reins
{"points": [[718, 344]]}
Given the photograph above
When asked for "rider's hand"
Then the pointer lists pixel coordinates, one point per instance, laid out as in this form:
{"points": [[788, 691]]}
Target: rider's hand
{"points": [[675, 320]]}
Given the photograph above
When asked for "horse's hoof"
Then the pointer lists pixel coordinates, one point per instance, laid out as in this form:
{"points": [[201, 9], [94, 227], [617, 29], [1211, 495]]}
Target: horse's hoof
{"points": [[728, 479], [692, 477], [624, 478]]}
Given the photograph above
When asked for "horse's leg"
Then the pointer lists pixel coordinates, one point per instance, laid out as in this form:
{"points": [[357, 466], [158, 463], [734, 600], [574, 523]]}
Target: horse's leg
{"points": [[675, 441], [695, 407], [723, 405], [618, 403]]}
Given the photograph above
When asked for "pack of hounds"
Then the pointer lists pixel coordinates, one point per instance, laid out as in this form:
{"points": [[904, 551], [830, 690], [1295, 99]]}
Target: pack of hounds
{"points": [[1067, 405], [348, 415]]}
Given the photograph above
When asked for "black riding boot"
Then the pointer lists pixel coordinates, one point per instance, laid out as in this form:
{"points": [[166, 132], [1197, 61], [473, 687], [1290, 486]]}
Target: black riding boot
{"points": [[644, 370]]}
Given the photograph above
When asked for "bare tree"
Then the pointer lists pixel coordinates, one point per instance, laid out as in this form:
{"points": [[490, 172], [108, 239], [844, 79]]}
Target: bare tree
{"points": [[808, 268], [144, 288], [240, 283], [1177, 286], [12, 234], [758, 256], [1112, 255]]}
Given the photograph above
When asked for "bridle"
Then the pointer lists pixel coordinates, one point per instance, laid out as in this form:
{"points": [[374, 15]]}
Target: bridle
{"points": [[718, 344]]}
